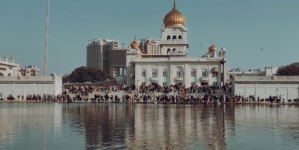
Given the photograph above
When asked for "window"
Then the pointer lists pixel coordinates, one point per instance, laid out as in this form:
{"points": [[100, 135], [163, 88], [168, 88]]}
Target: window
{"points": [[168, 51], [154, 74], [179, 74], [143, 73], [174, 37], [204, 74], [215, 74], [164, 73], [180, 37], [168, 37], [164, 83], [193, 73]]}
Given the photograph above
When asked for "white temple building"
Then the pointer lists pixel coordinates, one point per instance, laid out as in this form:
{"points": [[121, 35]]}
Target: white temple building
{"points": [[166, 61]]}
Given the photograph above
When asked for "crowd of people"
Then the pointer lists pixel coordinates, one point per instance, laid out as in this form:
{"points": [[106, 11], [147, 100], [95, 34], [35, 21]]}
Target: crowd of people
{"points": [[33, 97], [153, 93]]}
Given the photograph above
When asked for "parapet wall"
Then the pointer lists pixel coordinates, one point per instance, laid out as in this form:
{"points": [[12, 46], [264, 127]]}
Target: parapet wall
{"points": [[265, 86], [29, 85]]}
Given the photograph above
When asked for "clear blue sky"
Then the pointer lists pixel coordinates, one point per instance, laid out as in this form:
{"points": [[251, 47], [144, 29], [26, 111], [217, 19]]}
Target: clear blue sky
{"points": [[243, 27]]}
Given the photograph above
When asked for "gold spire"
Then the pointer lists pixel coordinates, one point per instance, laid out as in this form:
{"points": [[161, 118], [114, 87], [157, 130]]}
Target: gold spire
{"points": [[135, 44], [174, 17]]}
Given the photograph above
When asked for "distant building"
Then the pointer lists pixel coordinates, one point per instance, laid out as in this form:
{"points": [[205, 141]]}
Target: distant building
{"points": [[268, 71], [10, 68], [29, 71], [97, 53]]}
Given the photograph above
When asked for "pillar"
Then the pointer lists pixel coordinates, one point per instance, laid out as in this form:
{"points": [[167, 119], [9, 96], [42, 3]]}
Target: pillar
{"points": [[160, 75], [187, 75], [224, 70]]}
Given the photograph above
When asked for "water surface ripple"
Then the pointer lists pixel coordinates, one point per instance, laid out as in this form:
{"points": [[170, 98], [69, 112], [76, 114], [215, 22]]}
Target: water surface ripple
{"points": [[148, 126]]}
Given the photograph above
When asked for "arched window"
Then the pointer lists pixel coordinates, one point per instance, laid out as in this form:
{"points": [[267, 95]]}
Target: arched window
{"points": [[168, 51], [9, 74], [174, 37], [143, 73], [214, 72], [168, 37], [164, 73], [204, 73], [180, 37], [193, 72], [154, 73], [173, 51], [179, 72]]}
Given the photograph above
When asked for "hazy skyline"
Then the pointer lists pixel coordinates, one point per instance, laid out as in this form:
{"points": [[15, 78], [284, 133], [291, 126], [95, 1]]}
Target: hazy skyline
{"points": [[242, 27]]}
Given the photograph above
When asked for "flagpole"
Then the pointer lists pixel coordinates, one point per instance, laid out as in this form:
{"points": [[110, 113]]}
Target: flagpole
{"points": [[47, 32]]}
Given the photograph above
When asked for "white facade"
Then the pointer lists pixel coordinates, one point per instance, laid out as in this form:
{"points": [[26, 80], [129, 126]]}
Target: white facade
{"points": [[175, 70]]}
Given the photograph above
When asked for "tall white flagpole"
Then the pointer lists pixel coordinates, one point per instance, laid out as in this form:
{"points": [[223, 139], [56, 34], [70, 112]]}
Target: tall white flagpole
{"points": [[47, 31]]}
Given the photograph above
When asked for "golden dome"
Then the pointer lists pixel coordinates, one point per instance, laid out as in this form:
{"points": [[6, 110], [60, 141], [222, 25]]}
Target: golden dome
{"points": [[135, 44], [212, 48], [174, 18]]}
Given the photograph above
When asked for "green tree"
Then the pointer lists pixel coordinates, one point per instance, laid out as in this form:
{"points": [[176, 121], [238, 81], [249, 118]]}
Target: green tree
{"points": [[291, 69], [84, 74]]}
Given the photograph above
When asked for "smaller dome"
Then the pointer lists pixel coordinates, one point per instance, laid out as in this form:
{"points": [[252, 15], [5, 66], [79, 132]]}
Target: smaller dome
{"points": [[5, 57], [11, 58], [212, 48], [135, 44]]}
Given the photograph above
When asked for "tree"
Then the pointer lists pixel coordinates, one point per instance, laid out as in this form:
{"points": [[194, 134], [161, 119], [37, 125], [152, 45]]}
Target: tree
{"points": [[291, 69], [84, 74]]}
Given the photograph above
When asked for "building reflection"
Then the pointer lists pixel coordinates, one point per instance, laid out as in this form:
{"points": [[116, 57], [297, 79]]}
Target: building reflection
{"points": [[19, 121], [153, 126], [143, 126]]}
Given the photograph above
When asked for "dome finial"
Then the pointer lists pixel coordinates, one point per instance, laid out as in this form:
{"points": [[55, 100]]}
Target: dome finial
{"points": [[174, 18], [135, 38]]}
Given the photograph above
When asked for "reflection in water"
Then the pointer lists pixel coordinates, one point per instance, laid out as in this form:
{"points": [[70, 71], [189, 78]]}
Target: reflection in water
{"points": [[130, 126]]}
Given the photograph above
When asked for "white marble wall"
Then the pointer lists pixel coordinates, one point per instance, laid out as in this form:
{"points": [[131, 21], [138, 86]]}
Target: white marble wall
{"points": [[29, 87], [265, 90]]}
